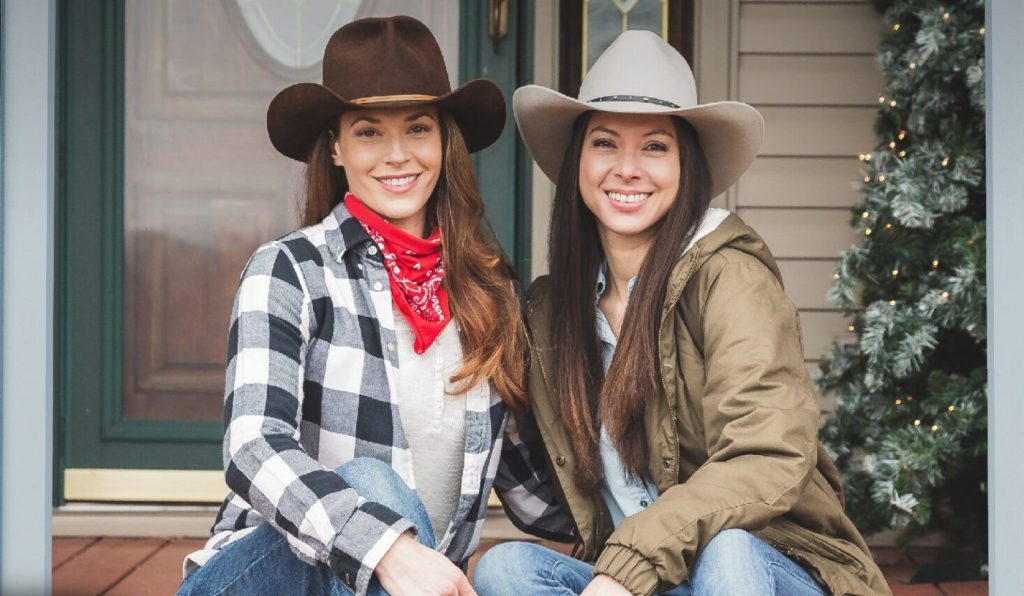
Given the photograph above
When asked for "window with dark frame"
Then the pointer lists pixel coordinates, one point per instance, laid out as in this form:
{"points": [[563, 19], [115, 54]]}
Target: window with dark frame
{"points": [[587, 26]]}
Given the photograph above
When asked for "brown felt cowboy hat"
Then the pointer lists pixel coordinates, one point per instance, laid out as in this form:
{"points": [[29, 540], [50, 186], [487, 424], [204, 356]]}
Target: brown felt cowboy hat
{"points": [[382, 63], [640, 74]]}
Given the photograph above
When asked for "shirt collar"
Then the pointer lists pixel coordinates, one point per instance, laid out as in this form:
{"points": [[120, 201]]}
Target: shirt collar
{"points": [[602, 282], [342, 231]]}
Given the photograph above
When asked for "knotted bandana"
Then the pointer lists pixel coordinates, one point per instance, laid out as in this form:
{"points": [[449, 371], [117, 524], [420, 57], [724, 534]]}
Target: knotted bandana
{"points": [[414, 271]]}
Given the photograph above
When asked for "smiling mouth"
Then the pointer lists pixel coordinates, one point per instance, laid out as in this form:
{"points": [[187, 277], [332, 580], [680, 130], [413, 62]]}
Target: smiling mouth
{"points": [[620, 197], [397, 181]]}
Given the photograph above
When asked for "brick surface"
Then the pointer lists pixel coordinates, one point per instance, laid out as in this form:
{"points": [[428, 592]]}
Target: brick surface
{"points": [[153, 566]]}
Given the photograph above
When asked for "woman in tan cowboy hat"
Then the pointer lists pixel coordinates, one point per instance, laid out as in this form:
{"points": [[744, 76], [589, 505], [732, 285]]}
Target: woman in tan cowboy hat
{"points": [[667, 376], [367, 384]]}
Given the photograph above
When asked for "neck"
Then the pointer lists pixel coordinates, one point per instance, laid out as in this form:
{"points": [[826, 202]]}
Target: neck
{"points": [[624, 255]]}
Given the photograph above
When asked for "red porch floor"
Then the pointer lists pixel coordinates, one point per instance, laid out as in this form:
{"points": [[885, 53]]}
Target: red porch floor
{"points": [[140, 566]]}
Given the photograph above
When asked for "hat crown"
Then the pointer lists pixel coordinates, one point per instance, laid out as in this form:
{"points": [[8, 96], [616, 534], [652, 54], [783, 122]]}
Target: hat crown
{"points": [[375, 57], [640, 64]]}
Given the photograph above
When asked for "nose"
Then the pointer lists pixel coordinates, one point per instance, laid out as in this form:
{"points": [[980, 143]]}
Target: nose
{"points": [[397, 151], [626, 167]]}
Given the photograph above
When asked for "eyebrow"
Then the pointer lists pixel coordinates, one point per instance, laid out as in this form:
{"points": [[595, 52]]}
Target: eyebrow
{"points": [[658, 131], [419, 115], [605, 130]]}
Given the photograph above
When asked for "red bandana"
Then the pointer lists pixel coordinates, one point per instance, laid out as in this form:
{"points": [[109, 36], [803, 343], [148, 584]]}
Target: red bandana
{"points": [[414, 270]]}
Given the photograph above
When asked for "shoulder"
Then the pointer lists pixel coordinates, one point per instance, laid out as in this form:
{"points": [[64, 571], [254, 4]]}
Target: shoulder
{"points": [[733, 264]]}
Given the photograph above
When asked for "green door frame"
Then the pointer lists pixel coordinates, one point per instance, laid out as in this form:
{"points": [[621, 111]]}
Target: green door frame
{"points": [[90, 431]]}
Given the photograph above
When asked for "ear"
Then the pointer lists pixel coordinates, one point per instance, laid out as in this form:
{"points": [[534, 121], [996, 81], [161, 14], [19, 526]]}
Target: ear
{"points": [[336, 156]]}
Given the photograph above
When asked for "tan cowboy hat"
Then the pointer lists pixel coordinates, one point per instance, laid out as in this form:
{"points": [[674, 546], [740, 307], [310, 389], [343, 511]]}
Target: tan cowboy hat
{"points": [[640, 74], [382, 63]]}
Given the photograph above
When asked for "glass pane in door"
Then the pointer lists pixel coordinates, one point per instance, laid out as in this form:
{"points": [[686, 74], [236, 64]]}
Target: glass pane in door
{"points": [[203, 187]]}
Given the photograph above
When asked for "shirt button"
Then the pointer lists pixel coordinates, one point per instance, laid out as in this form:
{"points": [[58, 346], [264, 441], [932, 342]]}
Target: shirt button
{"points": [[372, 250], [668, 462], [378, 286], [391, 347], [359, 266], [560, 460], [643, 503]]}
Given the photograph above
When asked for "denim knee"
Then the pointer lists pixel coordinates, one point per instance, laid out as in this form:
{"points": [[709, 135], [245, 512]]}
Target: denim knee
{"points": [[376, 481], [498, 568], [732, 563]]}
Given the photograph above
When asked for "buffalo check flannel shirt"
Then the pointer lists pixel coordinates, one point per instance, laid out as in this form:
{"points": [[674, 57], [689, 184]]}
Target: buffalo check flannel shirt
{"points": [[311, 384]]}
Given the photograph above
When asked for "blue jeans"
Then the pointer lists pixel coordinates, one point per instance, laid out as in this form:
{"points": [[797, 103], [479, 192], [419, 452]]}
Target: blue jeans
{"points": [[263, 563], [734, 563]]}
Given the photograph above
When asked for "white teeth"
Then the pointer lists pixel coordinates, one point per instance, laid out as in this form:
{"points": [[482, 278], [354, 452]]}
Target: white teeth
{"points": [[623, 198], [397, 181]]}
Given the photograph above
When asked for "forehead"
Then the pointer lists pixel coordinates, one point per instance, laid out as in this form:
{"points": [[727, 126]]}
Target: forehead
{"points": [[632, 123], [389, 114]]}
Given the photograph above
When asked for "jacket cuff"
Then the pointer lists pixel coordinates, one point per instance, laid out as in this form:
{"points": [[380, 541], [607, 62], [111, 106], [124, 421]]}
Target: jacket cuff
{"points": [[629, 568]]}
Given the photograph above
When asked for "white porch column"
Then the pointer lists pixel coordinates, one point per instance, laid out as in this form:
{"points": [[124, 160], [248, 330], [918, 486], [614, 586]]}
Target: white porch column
{"points": [[1005, 116], [26, 467]]}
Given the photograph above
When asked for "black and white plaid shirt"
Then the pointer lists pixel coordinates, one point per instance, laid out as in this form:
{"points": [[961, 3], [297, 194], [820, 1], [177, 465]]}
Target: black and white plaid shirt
{"points": [[311, 384]]}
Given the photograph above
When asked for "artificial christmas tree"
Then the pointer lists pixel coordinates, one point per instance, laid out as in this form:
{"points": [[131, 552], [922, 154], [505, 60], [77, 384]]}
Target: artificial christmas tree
{"points": [[909, 431]]}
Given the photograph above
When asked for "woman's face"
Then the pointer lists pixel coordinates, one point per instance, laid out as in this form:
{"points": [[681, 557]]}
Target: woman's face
{"points": [[392, 160], [629, 173]]}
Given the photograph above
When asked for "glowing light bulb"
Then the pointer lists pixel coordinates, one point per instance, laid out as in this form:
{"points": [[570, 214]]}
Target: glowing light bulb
{"points": [[865, 215], [945, 17], [981, 31], [895, 272], [892, 103], [888, 226], [903, 153], [835, 276], [951, 407], [899, 402], [912, 65], [945, 161], [917, 423], [893, 303], [896, 27], [935, 264], [902, 135], [892, 144], [935, 427], [867, 231], [851, 328]]}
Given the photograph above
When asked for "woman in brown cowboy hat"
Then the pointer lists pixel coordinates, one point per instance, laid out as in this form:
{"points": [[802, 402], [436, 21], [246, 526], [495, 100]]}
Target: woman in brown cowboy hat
{"points": [[667, 375], [367, 383]]}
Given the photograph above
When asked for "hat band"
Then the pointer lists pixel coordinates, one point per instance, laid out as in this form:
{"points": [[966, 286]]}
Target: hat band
{"points": [[640, 98], [387, 98]]}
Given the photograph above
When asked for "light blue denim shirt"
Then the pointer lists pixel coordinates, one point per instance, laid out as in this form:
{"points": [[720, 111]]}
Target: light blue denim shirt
{"points": [[623, 495]]}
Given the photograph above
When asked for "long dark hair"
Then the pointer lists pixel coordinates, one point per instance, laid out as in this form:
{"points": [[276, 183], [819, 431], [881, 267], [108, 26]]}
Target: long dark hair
{"points": [[585, 396], [479, 279]]}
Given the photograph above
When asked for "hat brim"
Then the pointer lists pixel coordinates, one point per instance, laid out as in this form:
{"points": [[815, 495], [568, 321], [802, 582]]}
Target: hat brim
{"points": [[299, 113], [730, 132]]}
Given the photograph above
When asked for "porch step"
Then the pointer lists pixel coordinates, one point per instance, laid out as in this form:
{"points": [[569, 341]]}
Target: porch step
{"points": [[181, 521]]}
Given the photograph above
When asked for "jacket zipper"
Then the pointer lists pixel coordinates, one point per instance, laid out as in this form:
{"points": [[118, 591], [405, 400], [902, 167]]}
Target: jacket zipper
{"points": [[664, 384]]}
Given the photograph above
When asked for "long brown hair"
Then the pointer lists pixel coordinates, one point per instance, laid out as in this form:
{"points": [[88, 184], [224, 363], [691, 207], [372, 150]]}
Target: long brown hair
{"points": [[480, 281], [619, 399]]}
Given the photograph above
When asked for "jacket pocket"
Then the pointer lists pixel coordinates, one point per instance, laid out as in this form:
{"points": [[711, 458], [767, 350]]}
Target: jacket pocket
{"points": [[838, 569]]}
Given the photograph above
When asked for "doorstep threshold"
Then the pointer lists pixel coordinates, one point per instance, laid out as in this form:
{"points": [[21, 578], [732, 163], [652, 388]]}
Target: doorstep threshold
{"points": [[127, 520]]}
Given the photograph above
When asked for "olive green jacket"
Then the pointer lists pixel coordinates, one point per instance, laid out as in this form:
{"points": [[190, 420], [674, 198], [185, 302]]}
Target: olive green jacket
{"points": [[733, 431]]}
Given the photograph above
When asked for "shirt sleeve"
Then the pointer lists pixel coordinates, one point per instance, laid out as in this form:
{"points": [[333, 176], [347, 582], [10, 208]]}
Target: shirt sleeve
{"points": [[324, 520], [526, 486]]}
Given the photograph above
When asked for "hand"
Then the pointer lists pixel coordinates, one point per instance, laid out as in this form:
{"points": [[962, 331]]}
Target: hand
{"points": [[411, 568], [605, 585]]}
